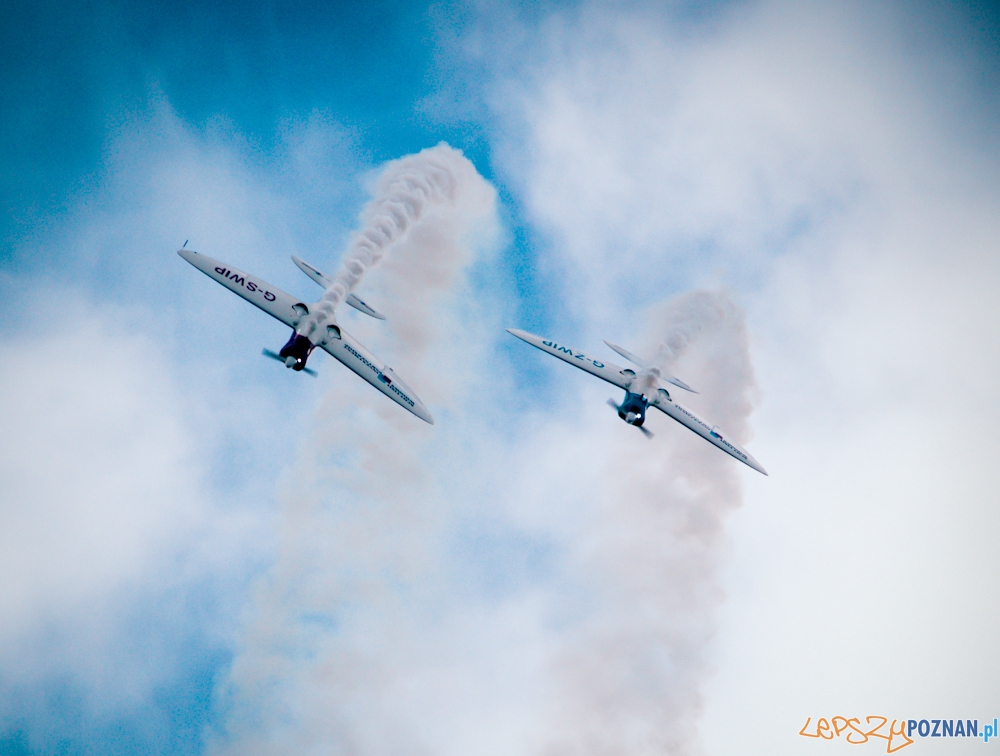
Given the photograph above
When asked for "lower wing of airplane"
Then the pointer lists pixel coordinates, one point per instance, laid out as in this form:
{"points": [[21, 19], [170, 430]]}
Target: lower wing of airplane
{"points": [[710, 433], [641, 391], [342, 347], [332, 339]]}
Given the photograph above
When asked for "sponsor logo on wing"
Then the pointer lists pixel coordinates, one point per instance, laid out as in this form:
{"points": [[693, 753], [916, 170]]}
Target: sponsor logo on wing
{"points": [[383, 379], [713, 432]]}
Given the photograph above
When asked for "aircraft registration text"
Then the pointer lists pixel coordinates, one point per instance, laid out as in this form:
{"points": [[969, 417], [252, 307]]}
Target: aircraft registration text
{"points": [[559, 351], [236, 278]]}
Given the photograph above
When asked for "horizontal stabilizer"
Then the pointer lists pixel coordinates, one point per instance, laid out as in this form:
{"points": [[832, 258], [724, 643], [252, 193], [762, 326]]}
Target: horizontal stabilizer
{"points": [[679, 383], [643, 364], [325, 281], [315, 275], [627, 355], [357, 304]]}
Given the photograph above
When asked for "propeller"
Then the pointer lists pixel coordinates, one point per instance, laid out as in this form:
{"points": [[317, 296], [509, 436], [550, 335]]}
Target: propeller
{"points": [[639, 362], [279, 358], [645, 431]]}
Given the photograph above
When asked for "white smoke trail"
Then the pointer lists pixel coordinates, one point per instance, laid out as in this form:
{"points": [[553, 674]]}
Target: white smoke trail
{"points": [[641, 526], [334, 627], [367, 640], [368, 636], [688, 315], [405, 190]]}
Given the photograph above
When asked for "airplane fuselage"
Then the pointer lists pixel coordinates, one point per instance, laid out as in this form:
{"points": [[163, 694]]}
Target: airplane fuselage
{"points": [[633, 409], [296, 351]]}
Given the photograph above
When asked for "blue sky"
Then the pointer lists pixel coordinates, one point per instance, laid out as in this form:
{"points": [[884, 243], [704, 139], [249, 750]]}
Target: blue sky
{"points": [[197, 539]]}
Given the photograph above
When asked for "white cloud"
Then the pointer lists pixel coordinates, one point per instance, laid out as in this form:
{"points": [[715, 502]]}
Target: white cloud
{"points": [[142, 431], [806, 151], [105, 505]]}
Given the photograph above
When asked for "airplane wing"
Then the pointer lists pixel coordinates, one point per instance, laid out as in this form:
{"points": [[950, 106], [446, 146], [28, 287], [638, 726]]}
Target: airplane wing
{"points": [[710, 433], [603, 370], [342, 347], [256, 291], [325, 281]]}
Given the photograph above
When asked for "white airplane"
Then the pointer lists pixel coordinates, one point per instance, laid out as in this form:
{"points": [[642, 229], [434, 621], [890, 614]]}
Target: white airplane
{"points": [[332, 338], [641, 391]]}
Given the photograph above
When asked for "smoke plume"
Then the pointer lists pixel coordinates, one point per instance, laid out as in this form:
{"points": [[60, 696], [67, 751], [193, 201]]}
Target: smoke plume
{"points": [[461, 590], [342, 619], [640, 526], [404, 191]]}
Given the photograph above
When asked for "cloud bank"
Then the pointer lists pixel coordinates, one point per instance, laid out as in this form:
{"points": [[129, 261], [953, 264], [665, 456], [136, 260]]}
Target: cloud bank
{"points": [[810, 190], [833, 165]]}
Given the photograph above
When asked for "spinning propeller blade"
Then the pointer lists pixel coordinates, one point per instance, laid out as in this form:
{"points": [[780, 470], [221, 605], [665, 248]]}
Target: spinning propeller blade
{"points": [[647, 433], [279, 358]]}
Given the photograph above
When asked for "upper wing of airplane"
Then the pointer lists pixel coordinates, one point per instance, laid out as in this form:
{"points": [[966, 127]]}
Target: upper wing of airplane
{"points": [[342, 346], [710, 433], [603, 370], [325, 281], [256, 291]]}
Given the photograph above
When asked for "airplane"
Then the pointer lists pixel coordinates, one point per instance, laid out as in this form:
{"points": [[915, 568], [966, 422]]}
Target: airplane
{"points": [[641, 391], [331, 338]]}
